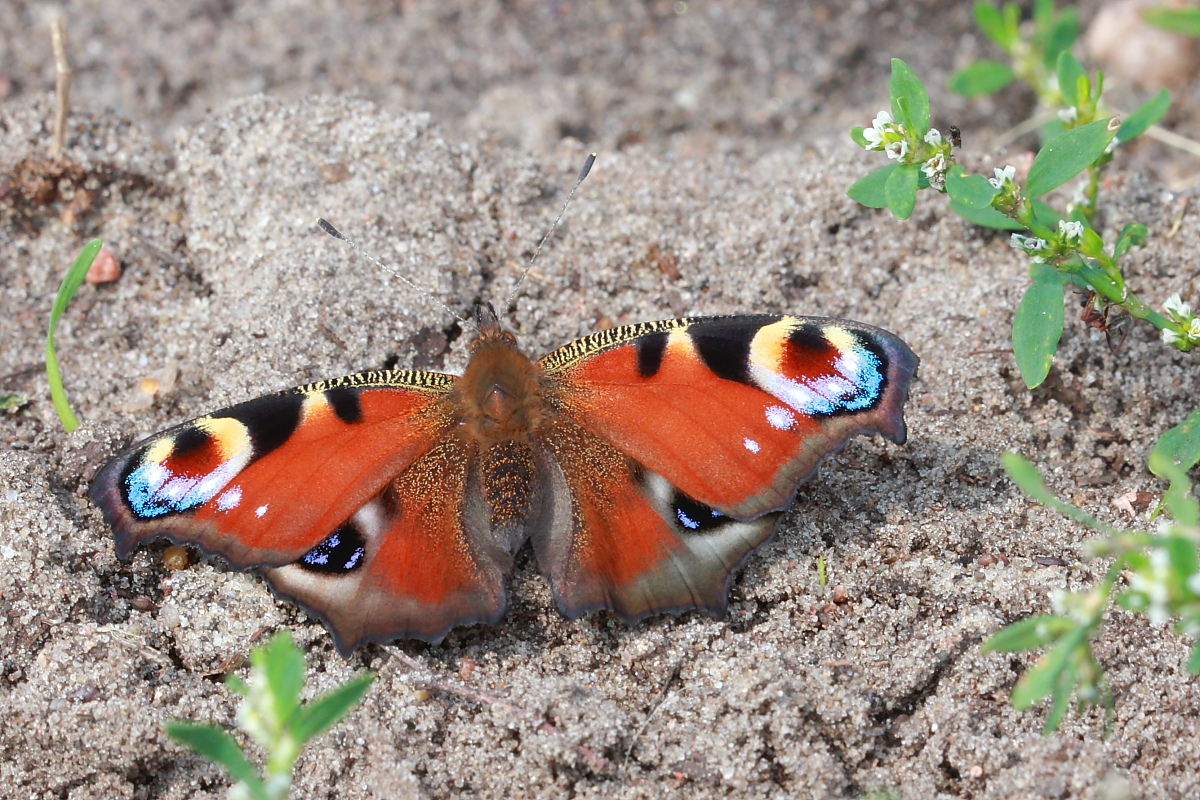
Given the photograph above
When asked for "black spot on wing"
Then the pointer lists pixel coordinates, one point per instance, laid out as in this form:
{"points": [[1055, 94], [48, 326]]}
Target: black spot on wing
{"points": [[187, 440], [344, 402], [338, 553], [270, 420], [726, 350], [694, 516], [808, 336], [650, 349]]}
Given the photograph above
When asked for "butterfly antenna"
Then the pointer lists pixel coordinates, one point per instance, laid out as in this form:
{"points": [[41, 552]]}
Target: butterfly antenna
{"points": [[583, 173], [335, 233]]}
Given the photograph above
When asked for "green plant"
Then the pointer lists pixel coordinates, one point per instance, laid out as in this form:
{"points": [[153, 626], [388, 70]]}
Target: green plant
{"points": [[1160, 572], [1064, 248], [1033, 58], [272, 715], [1184, 20], [66, 291]]}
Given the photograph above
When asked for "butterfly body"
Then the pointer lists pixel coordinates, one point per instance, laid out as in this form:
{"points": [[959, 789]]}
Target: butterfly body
{"points": [[643, 464]]}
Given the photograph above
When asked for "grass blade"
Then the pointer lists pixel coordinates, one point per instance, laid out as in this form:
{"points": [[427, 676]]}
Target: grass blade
{"points": [[66, 291]]}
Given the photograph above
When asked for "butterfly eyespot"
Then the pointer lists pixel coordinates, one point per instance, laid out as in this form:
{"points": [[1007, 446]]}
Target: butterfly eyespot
{"points": [[694, 516], [338, 553]]}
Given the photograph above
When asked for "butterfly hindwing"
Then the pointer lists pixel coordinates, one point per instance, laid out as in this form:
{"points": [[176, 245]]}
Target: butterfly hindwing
{"points": [[315, 486], [706, 427], [415, 561]]}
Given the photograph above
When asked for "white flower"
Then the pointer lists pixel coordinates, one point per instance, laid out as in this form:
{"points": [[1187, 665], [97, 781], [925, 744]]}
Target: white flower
{"points": [[897, 149], [934, 137], [934, 167], [1068, 115], [1030, 244], [879, 126], [1194, 329], [1004, 177], [1170, 337], [1178, 309], [1070, 230]]}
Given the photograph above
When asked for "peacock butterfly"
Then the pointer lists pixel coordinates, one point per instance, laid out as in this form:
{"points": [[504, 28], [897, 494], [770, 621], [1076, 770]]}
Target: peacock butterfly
{"points": [[644, 463]]}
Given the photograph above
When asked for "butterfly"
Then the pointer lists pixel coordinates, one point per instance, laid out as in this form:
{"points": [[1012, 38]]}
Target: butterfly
{"points": [[644, 463]]}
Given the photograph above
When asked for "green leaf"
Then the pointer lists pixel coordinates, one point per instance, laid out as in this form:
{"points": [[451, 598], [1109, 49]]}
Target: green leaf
{"points": [[1038, 324], [284, 668], [986, 217], [980, 78], [856, 133], [237, 685], [1181, 553], [1184, 21], [871, 190], [1146, 115], [972, 191], [1175, 453], [901, 190], [904, 84], [991, 22], [1069, 72], [1028, 633], [1091, 245], [1060, 698], [1062, 34], [1043, 678], [1181, 444], [1067, 155], [321, 714], [1133, 234], [1029, 481], [12, 403], [66, 291], [219, 747]]}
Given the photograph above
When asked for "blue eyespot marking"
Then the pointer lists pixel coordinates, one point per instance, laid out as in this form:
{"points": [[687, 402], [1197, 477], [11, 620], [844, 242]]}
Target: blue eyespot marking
{"points": [[153, 490], [338, 553]]}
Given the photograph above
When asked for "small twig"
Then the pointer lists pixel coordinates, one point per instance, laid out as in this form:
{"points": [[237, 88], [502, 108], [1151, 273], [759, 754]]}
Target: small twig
{"points": [[664, 695], [1183, 204], [62, 86], [1173, 139], [28, 369], [1017, 131], [597, 762]]}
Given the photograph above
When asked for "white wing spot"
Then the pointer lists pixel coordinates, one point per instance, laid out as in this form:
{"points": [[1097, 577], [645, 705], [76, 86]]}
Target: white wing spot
{"points": [[780, 418], [258, 512], [230, 498], [750, 444]]}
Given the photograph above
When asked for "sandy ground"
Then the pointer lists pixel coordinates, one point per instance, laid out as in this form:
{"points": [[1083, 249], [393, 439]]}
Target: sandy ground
{"points": [[719, 189]]}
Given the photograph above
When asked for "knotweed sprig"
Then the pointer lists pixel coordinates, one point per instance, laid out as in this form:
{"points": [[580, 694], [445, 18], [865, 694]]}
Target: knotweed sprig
{"points": [[273, 716], [1063, 248], [1161, 570]]}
